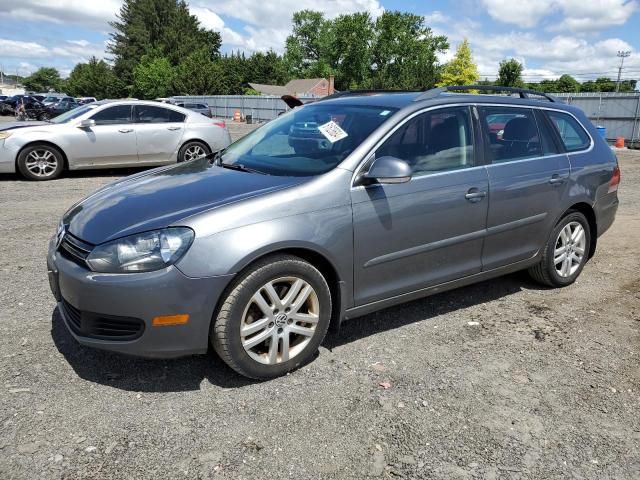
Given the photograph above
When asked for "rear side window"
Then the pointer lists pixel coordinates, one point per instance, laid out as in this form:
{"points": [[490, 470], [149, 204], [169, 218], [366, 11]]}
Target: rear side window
{"points": [[513, 133], [153, 114], [571, 132], [115, 115]]}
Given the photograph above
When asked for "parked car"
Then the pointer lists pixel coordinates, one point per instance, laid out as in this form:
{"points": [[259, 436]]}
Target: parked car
{"points": [[3, 97], [64, 105], [53, 98], [109, 135], [258, 249], [32, 107], [202, 108], [85, 100]]}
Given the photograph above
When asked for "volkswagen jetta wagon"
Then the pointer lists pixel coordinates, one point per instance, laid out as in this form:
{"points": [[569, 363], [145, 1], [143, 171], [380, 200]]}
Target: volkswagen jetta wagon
{"points": [[333, 210]]}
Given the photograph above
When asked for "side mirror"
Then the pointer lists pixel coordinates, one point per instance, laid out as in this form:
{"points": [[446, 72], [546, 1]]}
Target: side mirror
{"points": [[388, 170], [87, 123]]}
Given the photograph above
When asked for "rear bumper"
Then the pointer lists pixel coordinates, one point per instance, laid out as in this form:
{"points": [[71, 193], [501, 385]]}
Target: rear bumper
{"points": [[138, 296]]}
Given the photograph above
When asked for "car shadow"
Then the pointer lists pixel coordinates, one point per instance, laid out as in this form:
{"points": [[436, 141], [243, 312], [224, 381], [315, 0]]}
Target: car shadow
{"points": [[186, 374]]}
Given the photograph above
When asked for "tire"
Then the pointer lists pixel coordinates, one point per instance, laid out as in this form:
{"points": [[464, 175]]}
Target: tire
{"points": [[40, 161], [192, 150], [553, 274], [251, 354]]}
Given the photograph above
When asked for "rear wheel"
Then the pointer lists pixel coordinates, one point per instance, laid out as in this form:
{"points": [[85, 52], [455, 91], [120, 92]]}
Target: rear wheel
{"points": [[566, 252], [274, 318], [193, 150], [40, 162]]}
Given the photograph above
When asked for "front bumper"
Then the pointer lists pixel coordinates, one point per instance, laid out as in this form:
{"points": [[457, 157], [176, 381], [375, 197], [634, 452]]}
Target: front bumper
{"points": [[138, 296]]}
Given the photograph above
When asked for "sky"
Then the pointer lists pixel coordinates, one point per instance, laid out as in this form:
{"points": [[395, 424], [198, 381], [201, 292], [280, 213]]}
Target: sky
{"points": [[550, 37]]}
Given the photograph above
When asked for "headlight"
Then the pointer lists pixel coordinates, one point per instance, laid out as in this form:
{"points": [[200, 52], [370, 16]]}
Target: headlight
{"points": [[143, 252], [4, 135]]}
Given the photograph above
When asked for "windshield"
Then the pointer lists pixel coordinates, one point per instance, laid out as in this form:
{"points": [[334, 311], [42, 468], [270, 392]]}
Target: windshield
{"points": [[71, 114], [307, 141]]}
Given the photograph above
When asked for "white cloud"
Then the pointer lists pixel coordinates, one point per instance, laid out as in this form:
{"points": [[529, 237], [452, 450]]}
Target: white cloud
{"points": [[435, 17], [578, 15], [92, 14], [18, 49]]}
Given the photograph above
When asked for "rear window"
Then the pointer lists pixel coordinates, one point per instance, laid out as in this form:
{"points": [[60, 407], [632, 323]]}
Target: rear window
{"points": [[571, 132], [153, 114], [513, 133]]}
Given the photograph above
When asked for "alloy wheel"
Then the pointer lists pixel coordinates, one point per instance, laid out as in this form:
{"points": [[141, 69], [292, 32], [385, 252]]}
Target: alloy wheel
{"points": [[41, 162], [193, 152], [570, 249], [280, 320]]}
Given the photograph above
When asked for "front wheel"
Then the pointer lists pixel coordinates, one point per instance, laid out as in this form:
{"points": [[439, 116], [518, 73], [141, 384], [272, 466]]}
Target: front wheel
{"points": [[565, 253], [40, 162], [193, 150], [273, 319]]}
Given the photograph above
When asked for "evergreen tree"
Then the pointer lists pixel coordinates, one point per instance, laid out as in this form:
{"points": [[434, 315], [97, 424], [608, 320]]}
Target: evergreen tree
{"points": [[157, 27], [461, 70]]}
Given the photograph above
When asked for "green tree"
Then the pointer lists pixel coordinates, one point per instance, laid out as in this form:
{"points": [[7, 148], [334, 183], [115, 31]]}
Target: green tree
{"points": [[567, 84], [461, 70], [153, 77], [349, 50], [197, 74], [267, 68], [307, 48], [43, 80], [163, 28], [510, 73], [404, 52], [93, 79]]}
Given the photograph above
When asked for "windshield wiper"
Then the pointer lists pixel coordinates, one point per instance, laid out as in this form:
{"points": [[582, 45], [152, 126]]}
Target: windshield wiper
{"points": [[216, 158], [241, 168]]}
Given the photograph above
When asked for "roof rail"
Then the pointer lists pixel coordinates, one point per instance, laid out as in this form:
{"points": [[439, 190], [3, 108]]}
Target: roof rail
{"points": [[524, 93], [358, 93]]}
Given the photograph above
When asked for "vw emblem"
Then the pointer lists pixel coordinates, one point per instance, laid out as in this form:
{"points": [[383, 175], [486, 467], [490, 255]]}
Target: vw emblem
{"points": [[281, 320], [60, 234]]}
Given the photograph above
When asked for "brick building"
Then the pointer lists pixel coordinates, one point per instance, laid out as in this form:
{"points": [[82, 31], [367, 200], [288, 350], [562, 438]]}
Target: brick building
{"points": [[303, 87]]}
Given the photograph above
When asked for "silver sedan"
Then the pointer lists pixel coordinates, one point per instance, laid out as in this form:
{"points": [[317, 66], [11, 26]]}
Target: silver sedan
{"points": [[109, 134]]}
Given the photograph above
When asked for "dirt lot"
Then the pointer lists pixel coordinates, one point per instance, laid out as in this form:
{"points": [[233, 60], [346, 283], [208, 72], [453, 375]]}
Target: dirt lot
{"points": [[545, 385]]}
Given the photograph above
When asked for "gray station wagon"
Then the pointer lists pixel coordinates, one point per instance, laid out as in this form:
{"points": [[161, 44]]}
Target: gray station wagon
{"points": [[333, 210]]}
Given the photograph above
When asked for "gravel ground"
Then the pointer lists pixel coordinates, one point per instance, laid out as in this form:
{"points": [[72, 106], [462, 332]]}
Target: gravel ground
{"points": [[503, 379]]}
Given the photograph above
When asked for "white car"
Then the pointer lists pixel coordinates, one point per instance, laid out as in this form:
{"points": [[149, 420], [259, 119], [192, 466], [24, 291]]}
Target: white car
{"points": [[109, 134]]}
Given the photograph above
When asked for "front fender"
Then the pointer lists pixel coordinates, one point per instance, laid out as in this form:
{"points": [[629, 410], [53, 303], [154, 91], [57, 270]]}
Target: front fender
{"points": [[325, 232]]}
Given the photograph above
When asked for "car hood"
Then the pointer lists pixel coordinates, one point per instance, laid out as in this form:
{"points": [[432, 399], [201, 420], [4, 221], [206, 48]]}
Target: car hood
{"points": [[162, 197], [16, 125]]}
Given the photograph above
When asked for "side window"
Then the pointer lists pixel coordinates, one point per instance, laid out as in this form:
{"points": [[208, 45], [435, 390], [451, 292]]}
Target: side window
{"points": [[115, 115], [153, 114], [571, 132], [549, 144], [432, 142], [513, 133]]}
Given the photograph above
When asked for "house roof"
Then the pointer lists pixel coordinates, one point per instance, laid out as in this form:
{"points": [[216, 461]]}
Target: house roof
{"points": [[297, 87], [277, 90], [301, 86]]}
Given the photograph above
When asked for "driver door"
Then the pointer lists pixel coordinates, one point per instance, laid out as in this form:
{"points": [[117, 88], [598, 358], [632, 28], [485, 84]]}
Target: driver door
{"points": [[110, 143], [431, 229]]}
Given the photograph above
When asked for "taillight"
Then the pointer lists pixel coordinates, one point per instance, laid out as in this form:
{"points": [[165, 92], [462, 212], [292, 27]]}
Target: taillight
{"points": [[220, 123], [615, 179]]}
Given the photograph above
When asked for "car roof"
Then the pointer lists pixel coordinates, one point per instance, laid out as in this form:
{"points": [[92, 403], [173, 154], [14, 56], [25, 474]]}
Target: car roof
{"points": [[404, 99]]}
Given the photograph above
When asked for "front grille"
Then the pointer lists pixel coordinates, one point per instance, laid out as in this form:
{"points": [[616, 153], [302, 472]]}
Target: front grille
{"points": [[75, 249], [102, 327]]}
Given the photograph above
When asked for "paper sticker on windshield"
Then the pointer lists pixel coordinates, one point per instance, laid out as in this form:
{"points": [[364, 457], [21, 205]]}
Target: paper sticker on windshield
{"points": [[332, 131]]}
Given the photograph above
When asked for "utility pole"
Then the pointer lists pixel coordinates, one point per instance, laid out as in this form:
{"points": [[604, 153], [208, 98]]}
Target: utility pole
{"points": [[622, 55]]}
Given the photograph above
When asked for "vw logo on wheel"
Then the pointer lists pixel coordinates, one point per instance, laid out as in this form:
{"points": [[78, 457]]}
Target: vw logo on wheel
{"points": [[281, 320]]}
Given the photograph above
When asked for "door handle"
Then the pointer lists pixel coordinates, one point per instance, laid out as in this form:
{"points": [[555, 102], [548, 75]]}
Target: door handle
{"points": [[475, 195], [556, 179], [125, 130], [173, 128]]}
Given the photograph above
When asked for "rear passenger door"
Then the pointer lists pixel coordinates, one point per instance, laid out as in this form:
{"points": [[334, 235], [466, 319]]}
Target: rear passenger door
{"points": [[528, 178], [429, 230], [159, 131]]}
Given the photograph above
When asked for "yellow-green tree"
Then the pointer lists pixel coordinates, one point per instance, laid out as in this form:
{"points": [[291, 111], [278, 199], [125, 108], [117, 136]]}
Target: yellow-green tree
{"points": [[461, 70]]}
